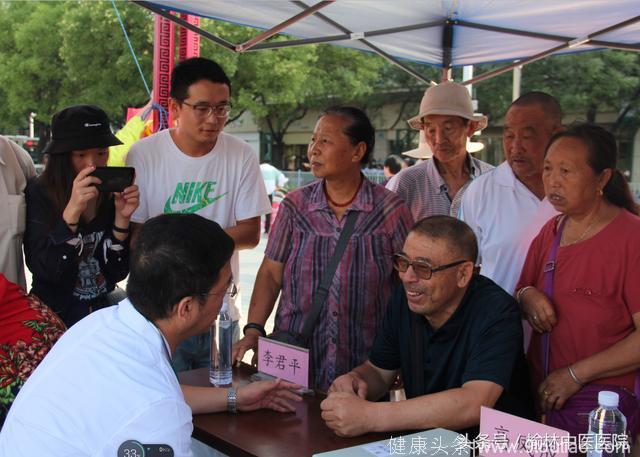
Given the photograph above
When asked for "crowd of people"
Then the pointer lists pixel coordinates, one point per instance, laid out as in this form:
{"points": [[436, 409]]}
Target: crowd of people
{"points": [[471, 285]]}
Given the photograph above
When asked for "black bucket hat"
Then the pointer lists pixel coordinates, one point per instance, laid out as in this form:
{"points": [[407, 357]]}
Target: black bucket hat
{"points": [[80, 127]]}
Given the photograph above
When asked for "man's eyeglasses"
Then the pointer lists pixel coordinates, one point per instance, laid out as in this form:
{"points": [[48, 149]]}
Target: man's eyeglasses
{"points": [[203, 110], [232, 291], [422, 269]]}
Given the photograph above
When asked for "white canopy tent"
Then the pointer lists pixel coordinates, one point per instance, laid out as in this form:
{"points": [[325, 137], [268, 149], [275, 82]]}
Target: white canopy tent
{"points": [[444, 33]]}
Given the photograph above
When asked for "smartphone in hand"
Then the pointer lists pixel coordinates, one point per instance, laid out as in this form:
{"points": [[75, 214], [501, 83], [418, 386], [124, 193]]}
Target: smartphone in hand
{"points": [[114, 179]]}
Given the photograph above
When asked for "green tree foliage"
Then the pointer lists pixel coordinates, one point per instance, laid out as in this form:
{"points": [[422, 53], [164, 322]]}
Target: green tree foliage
{"points": [[280, 86], [99, 67], [318, 77], [54, 54], [29, 81], [584, 83], [398, 88]]}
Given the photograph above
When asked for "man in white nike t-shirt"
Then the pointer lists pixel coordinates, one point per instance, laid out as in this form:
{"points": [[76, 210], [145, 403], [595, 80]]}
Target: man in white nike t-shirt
{"points": [[197, 168]]}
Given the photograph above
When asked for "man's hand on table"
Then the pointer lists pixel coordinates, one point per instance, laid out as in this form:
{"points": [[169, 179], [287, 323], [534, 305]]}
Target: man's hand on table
{"points": [[350, 383], [349, 415], [276, 395]]}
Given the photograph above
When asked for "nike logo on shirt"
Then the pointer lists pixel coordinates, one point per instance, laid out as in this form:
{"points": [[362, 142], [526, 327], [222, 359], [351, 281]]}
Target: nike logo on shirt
{"points": [[195, 194]]}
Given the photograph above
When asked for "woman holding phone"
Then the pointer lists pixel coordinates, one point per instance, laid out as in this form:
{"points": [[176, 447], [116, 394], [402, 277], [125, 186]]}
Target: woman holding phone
{"points": [[77, 238]]}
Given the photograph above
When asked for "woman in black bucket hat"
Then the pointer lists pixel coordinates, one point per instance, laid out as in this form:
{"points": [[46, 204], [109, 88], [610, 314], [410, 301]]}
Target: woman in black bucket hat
{"points": [[77, 238]]}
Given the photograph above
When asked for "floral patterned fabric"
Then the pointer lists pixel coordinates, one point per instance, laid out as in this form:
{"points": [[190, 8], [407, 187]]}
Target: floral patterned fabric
{"points": [[28, 329]]}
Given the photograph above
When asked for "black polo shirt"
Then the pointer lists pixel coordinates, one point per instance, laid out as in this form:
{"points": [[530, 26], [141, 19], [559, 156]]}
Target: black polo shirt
{"points": [[482, 340]]}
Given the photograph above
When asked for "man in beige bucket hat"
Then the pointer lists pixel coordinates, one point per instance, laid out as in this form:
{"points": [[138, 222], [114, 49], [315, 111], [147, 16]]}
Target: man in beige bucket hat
{"points": [[435, 187]]}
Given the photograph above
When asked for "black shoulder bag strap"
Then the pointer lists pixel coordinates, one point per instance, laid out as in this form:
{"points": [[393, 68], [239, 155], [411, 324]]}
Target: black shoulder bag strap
{"points": [[325, 283]]}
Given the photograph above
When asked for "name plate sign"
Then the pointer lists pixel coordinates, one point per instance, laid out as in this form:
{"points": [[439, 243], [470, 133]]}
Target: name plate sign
{"points": [[503, 435], [283, 360]]}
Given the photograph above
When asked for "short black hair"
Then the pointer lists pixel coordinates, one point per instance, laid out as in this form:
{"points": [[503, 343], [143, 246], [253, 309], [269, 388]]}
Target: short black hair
{"points": [[394, 163], [359, 128], [547, 102], [191, 71], [457, 234], [175, 256]]}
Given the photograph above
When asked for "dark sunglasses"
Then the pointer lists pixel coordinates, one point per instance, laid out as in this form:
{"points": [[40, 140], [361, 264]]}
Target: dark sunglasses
{"points": [[422, 269]]}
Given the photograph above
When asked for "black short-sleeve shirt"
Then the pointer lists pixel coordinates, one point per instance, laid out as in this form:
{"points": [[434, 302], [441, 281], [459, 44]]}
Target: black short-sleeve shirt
{"points": [[482, 340]]}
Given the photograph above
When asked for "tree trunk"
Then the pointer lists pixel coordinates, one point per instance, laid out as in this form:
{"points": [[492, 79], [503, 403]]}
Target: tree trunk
{"points": [[277, 152]]}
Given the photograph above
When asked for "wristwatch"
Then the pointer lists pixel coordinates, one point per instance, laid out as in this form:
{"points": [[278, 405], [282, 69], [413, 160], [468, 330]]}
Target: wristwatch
{"points": [[232, 400]]}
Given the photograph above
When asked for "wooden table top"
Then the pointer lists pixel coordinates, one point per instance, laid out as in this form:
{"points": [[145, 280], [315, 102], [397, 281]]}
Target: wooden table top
{"points": [[267, 433]]}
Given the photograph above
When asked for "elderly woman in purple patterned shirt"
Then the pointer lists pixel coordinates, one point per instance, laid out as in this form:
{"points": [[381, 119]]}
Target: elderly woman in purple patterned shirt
{"points": [[304, 237]]}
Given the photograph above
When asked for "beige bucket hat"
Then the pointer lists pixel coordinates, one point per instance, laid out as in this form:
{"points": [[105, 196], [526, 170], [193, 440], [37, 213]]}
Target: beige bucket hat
{"points": [[450, 99], [423, 151]]}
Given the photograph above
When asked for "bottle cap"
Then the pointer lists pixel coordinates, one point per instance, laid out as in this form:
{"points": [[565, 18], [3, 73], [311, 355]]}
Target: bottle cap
{"points": [[608, 399]]}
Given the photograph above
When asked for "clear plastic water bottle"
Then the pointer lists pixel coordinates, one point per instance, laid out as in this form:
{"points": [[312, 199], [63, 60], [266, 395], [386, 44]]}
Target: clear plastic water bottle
{"points": [[607, 428], [220, 355]]}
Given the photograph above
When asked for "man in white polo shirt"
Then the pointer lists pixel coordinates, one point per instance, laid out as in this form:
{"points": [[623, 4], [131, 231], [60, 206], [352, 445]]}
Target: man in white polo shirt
{"points": [[108, 382], [506, 208]]}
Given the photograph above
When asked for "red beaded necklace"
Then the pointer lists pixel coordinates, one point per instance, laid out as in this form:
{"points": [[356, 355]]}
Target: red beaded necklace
{"points": [[342, 205]]}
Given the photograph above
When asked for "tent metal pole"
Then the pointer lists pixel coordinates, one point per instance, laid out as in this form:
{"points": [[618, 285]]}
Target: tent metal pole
{"points": [[620, 46], [526, 33], [231, 47], [273, 30], [519, 63], [301, 42], [446, 72], [569, 44], [367, 43], [545, 36], [343, 37], [517, 83], [613, 27], [394, 61], [447, 51], [406, 28], [224, 43]]}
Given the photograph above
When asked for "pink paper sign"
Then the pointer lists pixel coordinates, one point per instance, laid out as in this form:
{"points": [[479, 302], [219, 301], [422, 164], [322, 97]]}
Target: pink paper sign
{"points": [[283, 360], [503, 435]]}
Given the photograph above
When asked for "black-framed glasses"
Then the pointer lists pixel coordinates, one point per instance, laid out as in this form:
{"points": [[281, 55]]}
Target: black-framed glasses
{"points": [[204, 110], [422, 269]]}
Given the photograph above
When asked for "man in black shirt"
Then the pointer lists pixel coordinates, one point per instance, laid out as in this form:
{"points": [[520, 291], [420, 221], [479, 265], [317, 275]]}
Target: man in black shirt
{"points": [[455, 336]]}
